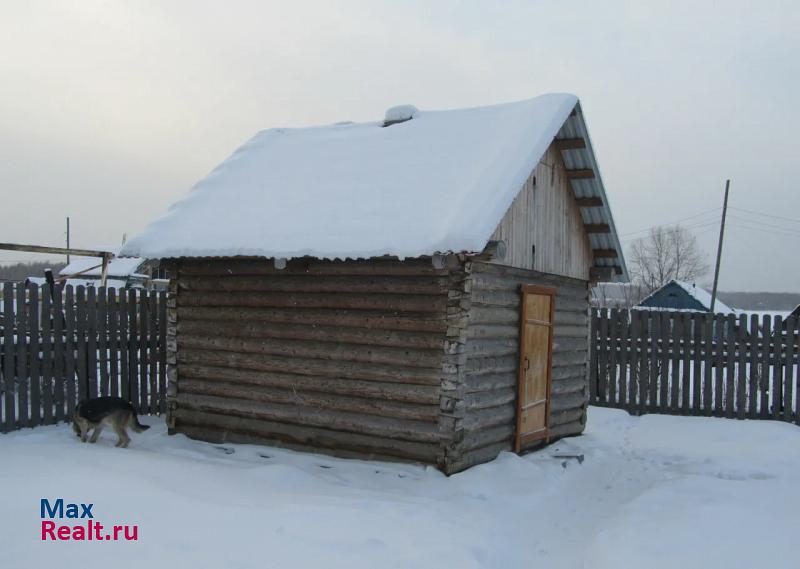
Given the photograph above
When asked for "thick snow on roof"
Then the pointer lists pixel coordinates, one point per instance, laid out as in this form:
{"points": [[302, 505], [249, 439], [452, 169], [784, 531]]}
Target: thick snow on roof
{"points": [[702, 296], [439, 182], [118, 267]]}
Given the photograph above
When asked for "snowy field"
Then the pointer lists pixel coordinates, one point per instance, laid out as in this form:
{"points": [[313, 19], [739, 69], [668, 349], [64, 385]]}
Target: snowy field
{"points": [[654, 491]]}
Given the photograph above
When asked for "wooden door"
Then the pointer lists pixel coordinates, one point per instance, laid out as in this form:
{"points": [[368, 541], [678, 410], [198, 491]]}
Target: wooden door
{"points": [[535, 364]]}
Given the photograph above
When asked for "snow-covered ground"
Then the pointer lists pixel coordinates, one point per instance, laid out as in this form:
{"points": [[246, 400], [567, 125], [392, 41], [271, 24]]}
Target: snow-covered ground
{"points": [[655, 491]]}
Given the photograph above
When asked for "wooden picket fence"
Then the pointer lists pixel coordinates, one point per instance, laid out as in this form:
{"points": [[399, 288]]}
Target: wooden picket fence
{"points": [[60, 346], [695, 364]]}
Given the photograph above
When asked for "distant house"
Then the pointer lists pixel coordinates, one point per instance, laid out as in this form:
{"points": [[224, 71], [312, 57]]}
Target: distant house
{"points": [[684, 297], [414, 288], [123, 272]]}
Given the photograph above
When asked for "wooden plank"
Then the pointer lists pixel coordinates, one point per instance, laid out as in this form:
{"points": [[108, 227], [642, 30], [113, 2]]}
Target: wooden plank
{"points": [[764, 346], [162, 352], [360, 319], [597, 228], [124, 365], [569, 143], [686, 364], [21, 355], [730, 364], [741, 375], [698, 329], [138, 331], [133, 349], [789, 414], [47, 357], [341, 352], [391, 302], [589, 202], [35, 361], [52, 250], [719, 364], [635, 359], [667, 369], [144, 335], [332, 284], [320, 402], [301, 415], [70, 348], [152, 336], [102, 340], [58, 354], [325, 333], [776, 392], [593, 354], [603, 355], [752, 392], [234, 267], [676, 337], [411, 393], [580, 174], [9, 415], [605, 253], [80, 330], [654, 377], [322, 368], [794, 366], [91, 341], [708, 364], [624, 347], [613, 345], [113, 342], [218, 427]]}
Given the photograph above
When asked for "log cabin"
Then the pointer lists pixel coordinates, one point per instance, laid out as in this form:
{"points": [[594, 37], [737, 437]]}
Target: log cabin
{"points": [[409, 289]]}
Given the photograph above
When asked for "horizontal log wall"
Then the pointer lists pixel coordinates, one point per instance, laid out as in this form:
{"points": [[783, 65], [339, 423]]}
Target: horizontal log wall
{"points": [[349, 358], [491, 349]]}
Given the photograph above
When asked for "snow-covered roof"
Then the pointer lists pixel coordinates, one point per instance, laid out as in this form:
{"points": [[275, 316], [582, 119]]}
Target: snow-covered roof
{"points": [[117, 267], [110, 283], [699, 294], [438, 182]]}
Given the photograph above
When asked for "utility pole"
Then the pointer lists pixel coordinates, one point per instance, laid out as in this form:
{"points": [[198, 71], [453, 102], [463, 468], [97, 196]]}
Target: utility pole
{"points": [[719, 246], [68, 239]]}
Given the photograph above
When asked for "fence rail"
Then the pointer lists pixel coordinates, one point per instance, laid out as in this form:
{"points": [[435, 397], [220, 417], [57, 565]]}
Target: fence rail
{"points": [[742, 367], [61, 345]]}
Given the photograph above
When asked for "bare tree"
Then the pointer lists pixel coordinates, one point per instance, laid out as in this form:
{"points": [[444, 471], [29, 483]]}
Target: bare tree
{"points": [[667, 253]]}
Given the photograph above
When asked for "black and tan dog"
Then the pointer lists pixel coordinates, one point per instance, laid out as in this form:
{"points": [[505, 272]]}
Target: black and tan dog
{"points": [[112, 411]]}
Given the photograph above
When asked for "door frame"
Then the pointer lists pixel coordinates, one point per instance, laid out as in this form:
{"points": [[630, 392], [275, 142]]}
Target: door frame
{"points": [[519, 438]]}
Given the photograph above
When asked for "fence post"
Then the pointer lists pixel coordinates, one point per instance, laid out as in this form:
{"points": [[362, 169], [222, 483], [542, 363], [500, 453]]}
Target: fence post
{"points": [[776, 349], [788, 370], [741, 376], [21, 354], [8, 357], [752, 402], [69, 315]]}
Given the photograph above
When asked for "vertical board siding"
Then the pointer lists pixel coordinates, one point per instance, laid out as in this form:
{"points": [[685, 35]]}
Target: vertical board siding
{"points": [[543, 228], [700, 364], [62, 345]]}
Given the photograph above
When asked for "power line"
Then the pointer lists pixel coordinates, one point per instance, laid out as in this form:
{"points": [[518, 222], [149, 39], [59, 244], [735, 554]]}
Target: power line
{"points": [[766, 214], [700, 225], [768, 225], [702, 213], [778, 233]]}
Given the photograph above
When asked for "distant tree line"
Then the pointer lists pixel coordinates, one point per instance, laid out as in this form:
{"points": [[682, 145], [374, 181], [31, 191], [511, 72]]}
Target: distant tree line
{"points": [[20, 271]]}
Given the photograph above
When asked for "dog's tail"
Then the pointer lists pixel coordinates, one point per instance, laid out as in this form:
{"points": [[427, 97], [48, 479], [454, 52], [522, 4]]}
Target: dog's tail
{"points": [[136, 425]]}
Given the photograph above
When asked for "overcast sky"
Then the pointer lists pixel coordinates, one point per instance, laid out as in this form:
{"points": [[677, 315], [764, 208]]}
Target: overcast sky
{"points": [[110, 111]]}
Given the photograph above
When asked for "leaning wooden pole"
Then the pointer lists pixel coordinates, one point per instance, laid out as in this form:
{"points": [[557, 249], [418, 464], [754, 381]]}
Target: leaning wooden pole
{"points": [[719, 246]]}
